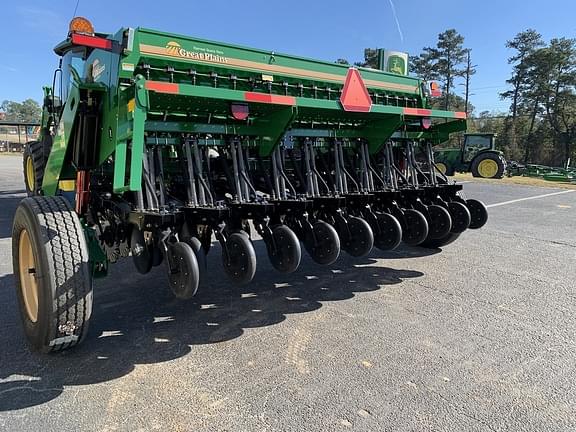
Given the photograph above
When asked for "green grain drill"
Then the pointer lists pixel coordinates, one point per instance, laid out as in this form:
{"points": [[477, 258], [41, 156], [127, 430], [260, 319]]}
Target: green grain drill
{"points": [[154, 144]]}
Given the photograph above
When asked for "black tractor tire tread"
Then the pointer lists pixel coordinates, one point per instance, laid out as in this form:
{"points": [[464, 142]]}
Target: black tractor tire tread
{"points": [[66, 254], [35, 150]]}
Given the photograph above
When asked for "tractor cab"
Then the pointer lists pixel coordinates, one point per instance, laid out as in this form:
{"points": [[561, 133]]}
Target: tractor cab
{"points": [[475, 143]]}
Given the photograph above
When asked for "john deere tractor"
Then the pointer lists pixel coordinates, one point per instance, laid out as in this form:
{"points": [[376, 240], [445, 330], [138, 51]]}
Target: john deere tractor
{"points": [[156, 144], [477, 155]]}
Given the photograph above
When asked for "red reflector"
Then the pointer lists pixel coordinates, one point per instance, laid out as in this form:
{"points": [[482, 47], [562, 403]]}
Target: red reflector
{"points": [[162, 87], [355, 96], [91, 41], [239, 111], [269, 98], [426, 122]]}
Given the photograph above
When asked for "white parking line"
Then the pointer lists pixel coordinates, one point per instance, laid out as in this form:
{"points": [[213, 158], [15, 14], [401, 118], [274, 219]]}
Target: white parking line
{"points": [[529, 198]]}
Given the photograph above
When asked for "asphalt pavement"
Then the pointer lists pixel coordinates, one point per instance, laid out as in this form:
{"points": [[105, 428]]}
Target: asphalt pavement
{"points": [[477, 337]]}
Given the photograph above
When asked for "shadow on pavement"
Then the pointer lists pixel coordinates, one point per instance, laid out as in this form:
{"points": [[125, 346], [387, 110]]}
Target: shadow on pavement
{"points": [[137, 321]]}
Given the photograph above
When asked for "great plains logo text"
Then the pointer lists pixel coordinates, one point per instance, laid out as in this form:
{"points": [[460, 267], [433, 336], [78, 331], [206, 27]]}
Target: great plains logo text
{"points": [[175, 49]]}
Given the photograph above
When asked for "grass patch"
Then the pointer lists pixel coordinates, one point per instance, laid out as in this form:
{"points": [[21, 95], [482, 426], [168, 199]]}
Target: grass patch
{"points": [[518, 180]]}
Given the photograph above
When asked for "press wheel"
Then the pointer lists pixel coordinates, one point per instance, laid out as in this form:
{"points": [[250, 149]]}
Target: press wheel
{"points": [[390, 232], [326, 249], [478, 213], [460, 216], [285, 253], [361, 239], [415, 228], [239, 258], [439, 222], [183, 271], [200, 254]]}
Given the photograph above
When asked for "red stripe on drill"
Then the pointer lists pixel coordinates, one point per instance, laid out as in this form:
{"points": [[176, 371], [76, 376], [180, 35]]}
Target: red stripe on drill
{"points": [[460, 115], [162, 87], [417, 112], [269, 98]]}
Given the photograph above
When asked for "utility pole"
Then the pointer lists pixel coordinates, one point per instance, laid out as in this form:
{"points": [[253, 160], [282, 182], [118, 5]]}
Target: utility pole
{"points": [[470, 70]]}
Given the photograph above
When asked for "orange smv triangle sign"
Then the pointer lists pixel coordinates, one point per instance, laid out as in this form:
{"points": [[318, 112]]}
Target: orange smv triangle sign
{"points": [[355, 96]]}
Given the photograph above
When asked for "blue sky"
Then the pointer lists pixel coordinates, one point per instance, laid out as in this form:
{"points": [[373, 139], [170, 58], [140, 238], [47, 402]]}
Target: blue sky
{"points": [[319, 29]]}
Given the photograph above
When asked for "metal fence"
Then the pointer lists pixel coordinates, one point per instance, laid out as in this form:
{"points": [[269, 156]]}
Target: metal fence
{"points": [[14, 136]]}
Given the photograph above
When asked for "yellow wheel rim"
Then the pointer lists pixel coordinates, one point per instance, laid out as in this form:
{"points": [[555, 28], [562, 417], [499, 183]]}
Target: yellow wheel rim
{"points": [[27, 269], [30, 173], [488, 168], [442, 167]]}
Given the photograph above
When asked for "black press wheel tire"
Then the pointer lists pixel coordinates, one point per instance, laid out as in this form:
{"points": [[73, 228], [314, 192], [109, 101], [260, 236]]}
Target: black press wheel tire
{"points": [[53, 277], [478, 213], [183, 273], [361, 239], [326, 249], [389, 232], [414, 227], [439, 222], [34, 164], [287, 253], [461, 217], [239, 258], [437, 243], [496, 166], [200, 253]]}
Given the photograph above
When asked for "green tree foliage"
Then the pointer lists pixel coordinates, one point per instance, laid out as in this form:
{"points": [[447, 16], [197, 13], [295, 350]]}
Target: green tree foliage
{"points": [[28, 111], [370, 58], [444, 62], [543, 99], [524, 45], [424, 66]]}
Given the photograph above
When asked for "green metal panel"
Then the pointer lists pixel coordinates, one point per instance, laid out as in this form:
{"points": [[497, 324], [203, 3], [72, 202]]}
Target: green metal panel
{"points": [[171, 49], [61, 139], [129, 151]]}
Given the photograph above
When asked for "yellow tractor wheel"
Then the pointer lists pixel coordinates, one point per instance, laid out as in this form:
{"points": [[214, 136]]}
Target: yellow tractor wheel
{"points": [[34, 164], [488, 165], [442, 167]]}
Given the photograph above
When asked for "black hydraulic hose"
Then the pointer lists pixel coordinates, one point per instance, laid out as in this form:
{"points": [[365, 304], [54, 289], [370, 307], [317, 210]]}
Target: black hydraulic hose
{"points": [[210, 174], [151, 198], [160, 177], [237, 186], [247, 184], [373, 170], [285, 180], [191, 177], [202, 189], [263, 171], [346, 171], [227, 173], [295, 167], [318, 175]]}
